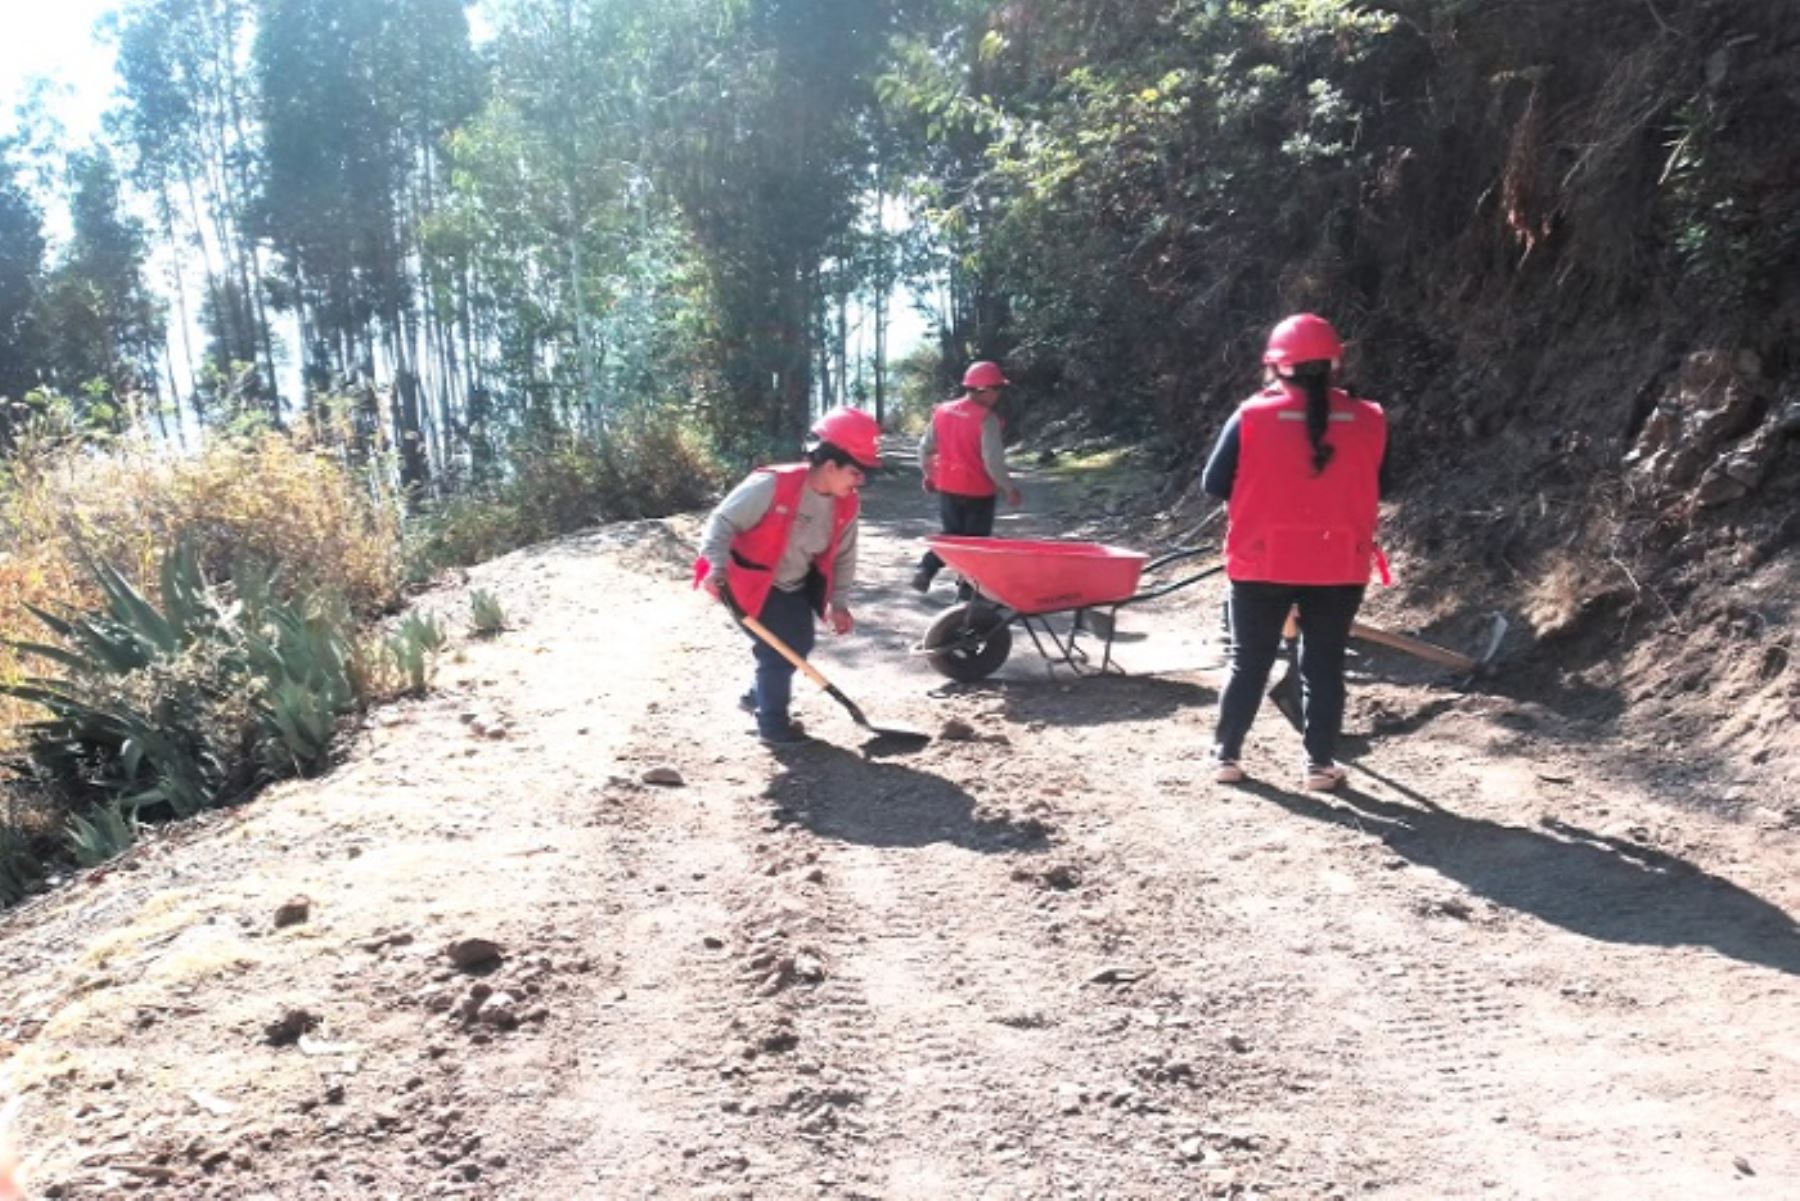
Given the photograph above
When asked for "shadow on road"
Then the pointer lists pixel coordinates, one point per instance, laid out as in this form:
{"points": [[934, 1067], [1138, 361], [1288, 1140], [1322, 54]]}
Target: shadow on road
{"points": [[838, 794], [1588, 883], [1092, 700]]}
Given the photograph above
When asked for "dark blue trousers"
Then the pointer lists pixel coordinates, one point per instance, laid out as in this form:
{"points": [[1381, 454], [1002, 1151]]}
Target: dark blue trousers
{"points": [[788, 616], [1258, 611]]}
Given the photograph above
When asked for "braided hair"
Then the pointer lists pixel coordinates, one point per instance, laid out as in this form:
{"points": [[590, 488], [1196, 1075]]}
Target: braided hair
{"points": [[1314, 379]]}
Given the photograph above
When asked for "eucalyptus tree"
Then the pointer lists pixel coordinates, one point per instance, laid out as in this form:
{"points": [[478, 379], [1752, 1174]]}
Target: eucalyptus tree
{"points": [[187, 118], [21, 268], [761, 142], [103, 327], [357, 98], [587, 281]]}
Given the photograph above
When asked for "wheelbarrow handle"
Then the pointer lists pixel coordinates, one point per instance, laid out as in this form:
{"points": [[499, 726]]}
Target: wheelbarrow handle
{"points": [[1176, 556]]}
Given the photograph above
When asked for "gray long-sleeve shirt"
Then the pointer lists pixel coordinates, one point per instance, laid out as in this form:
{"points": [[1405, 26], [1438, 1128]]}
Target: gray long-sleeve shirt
{"points": [[993, 449], [749, 502]]}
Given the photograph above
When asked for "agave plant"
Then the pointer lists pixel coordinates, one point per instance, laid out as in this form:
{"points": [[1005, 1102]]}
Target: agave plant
{"points": [[127, 716], [176, 704], [17, 863], [303, 662], [486, 617], [99, 836], [414, 646]]}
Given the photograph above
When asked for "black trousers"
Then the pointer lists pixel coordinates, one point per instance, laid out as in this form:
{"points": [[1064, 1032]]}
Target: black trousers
{"points": [[1258, 611], [969, 515]]}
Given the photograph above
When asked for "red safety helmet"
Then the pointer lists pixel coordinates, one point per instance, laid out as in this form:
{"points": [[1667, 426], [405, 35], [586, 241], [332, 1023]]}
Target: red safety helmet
{"points": [[1303, 338], [984, 375], [851, 431]]}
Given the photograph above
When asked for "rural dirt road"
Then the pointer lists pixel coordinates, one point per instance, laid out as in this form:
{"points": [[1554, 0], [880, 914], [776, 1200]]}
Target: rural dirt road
{"points": [[1050, 961]]}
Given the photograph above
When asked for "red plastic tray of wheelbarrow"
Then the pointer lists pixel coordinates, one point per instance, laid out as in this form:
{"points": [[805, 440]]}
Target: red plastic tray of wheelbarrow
{"points": [[1041, 575]]}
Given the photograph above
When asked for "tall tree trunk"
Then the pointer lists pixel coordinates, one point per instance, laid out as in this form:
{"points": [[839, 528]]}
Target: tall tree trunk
{"points": [[883, 283], [821, 338], [843, 343], [162, 420], [166, 209], [409, 435], [221, 309], [880, 365]]}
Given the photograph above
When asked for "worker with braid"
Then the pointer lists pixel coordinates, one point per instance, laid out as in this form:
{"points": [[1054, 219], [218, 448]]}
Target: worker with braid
{"points": [[1299, 466]]}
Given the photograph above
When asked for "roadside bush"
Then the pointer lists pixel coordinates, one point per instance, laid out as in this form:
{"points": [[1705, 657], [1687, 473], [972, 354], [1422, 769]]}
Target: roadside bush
{"points": [[559, 481], [164, 708], [917, 389], [183, 703], [18, 865], [487, 617], [292, 513]]}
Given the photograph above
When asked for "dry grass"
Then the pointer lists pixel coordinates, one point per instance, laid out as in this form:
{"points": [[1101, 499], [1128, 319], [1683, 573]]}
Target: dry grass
{"points": [[275, 501]]}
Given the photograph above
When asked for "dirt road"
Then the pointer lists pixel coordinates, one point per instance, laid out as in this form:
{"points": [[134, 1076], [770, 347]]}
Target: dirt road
{"points": [[1051, 961]]}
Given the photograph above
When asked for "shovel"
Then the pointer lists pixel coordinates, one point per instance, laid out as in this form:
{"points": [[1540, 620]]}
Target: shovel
{"points": [[1418, 648], [1285, 695], [889, 738]]}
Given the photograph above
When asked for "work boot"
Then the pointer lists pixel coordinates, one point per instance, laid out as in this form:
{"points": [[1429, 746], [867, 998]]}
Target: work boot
{"points": [[793, 734]]}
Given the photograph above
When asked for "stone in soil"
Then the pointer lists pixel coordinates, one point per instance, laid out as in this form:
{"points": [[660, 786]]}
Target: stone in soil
{"points": [[295, 911], [474, 954]]}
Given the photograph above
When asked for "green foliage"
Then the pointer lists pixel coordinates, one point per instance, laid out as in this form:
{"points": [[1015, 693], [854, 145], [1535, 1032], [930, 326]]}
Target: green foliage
{"points": [[487, 617], [103, 327], [98, 836], [181, 703], [560, 481], [303, 660], [413, 647], [21, 266], [150, 709], [18, 865]]}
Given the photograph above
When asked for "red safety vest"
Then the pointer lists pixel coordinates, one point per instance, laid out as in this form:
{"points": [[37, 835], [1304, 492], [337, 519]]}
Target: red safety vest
{"points": [[1289, 525], [957, 467], [756, 552]]}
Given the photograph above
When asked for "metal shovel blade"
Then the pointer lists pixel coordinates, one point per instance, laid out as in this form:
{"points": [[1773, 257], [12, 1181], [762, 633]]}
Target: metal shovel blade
{"points": [[891, 739]]}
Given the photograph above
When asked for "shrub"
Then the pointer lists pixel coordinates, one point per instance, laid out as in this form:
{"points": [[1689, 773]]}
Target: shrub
{"points": [[288, 510], [18, 865], [486, 617], [413, 647], [174, 706], [559, 481], [97, 837]]}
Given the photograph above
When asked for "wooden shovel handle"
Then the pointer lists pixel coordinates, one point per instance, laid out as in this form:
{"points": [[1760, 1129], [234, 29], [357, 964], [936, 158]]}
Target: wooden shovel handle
{"points": [[1413, 646], [784, 650]]}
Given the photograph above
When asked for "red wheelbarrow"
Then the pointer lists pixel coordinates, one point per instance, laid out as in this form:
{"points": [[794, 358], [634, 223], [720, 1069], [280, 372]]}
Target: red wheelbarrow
{"points": [[1024, 582]]}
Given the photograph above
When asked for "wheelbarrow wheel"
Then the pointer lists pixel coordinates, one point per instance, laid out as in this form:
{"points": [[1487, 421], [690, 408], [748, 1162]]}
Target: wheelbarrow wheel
{"points": [[969, 642]]}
